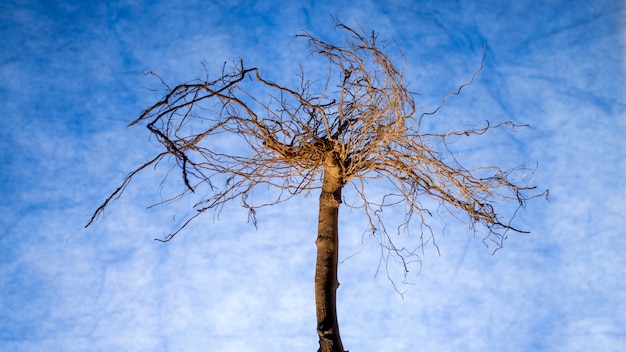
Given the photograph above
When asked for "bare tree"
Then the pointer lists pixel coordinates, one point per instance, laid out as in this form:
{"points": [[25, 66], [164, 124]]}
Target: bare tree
{"points": [[359, 124]]}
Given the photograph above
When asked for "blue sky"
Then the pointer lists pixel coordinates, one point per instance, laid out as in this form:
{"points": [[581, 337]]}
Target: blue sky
{"points": [[71, 83]]}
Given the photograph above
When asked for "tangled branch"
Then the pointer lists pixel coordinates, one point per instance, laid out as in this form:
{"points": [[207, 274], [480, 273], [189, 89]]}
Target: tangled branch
{"points": [[365, 117]]}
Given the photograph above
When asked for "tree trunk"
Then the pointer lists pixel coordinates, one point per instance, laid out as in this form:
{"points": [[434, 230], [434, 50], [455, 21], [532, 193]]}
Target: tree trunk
{"points": [[327, 256]]}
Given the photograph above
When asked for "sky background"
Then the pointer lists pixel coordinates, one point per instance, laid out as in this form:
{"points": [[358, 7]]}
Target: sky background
{"points": [[70, 82]]}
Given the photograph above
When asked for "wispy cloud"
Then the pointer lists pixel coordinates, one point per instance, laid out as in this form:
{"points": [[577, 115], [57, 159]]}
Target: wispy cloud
{"points": [[222, 284]]}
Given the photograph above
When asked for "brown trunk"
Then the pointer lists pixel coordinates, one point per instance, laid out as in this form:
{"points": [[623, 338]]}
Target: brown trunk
{"points": [[327, 256]]}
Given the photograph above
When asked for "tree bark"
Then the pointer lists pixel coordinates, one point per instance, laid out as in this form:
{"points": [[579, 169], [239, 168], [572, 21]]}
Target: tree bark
{"points": [[327, 243]]}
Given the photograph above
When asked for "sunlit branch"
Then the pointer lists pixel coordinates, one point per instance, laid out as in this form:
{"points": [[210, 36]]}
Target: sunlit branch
{"points": [[365, 118]]}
